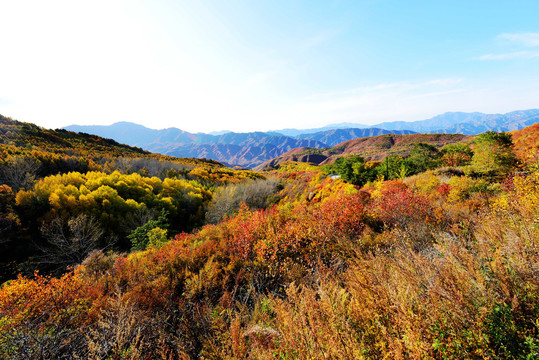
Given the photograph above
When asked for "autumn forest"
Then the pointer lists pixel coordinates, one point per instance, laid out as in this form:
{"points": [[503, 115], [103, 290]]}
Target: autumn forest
{"points": [[108, 251]]}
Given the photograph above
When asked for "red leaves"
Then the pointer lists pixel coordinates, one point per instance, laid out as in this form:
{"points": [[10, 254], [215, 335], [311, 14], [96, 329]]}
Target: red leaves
{"points": [[443, 189], [300, 233], [399, 205], [65, 301], [343, 215]]}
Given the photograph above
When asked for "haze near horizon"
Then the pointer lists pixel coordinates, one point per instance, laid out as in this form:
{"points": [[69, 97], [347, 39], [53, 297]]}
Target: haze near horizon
{"points": [[243, 66]]}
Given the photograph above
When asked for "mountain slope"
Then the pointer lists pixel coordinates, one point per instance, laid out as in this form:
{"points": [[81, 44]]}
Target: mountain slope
{"points": [[237, 149], [371, 148], [65, 147], [248, 153], [337, 136], [526, 144], [135, 134], [254, 148]]}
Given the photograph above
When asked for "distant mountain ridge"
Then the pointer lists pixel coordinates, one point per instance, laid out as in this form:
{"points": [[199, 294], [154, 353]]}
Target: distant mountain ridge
{"points": [[337, 136], [253, 148], [296, 132], [468, 123], [233, 149], [450, 122], [248, 153]]}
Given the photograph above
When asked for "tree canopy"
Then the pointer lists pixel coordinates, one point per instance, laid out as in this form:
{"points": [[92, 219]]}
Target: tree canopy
{"points": [[493, 153]]}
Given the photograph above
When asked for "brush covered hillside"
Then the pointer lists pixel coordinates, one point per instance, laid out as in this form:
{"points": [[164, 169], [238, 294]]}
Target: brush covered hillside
{"points": [[371, 148], [59, 189], [527, 144], [287, 264], [58, 150]]}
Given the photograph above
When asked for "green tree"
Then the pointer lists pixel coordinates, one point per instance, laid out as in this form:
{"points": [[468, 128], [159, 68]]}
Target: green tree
{"points": [[141, 237], [354, 170], [423, 157], [393, 167], [157, 237], [493, 154]]}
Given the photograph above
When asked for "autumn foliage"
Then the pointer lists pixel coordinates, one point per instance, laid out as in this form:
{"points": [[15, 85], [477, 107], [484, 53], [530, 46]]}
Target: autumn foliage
{"points": [[439, 265]]}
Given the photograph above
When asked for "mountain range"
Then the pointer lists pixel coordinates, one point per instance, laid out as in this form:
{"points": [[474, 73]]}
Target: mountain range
{"points": [[233, 149], [254, 148], [468, 123]]}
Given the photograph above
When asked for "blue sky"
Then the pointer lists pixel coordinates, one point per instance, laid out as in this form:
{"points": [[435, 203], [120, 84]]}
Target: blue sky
{"points": [[261, 65]]}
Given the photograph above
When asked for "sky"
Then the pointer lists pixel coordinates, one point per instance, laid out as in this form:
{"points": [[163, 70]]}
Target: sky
{"points": [[246, 65]]}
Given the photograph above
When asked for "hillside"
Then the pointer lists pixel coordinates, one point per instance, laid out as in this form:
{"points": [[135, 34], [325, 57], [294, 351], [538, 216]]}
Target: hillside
{"points": [[234, 149], [337, 136], [428, 267], [254, 148], [18, 138], [371, 148], [57, 183], [208, 262], [526, 144]]}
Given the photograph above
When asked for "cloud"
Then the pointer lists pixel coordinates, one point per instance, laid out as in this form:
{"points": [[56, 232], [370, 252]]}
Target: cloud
{"points": [[510, 56], [526, 39]]}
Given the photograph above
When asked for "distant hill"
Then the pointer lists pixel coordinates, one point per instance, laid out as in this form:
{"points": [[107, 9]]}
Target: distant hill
{"points": [[371, 148], [63, 147], [448, 123], [344, 125], [525, 144], [249, 153], [234, 149], [337, 136], [253, 148], [467, 123]]}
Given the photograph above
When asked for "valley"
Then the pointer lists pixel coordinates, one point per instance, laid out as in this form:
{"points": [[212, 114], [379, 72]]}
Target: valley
{"points": [[108, 250]]}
